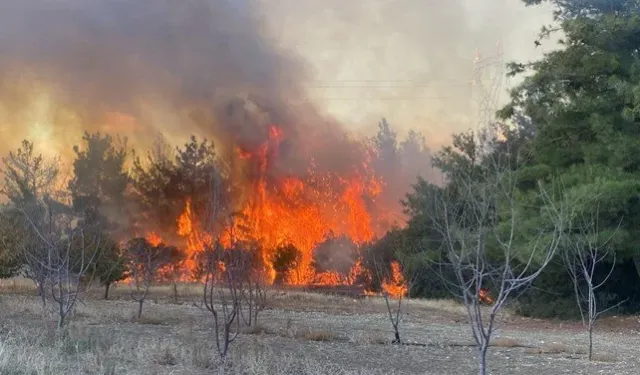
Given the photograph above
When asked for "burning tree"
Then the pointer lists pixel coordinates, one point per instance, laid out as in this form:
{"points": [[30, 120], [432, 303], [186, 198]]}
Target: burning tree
{"points": [[483, 233], [275, 207], [173, 191], [394, 288]]}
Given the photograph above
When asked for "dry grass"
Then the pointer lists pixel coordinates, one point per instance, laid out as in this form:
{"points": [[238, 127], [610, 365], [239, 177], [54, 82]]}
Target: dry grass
{"points": [[604, 357], [69, 356], [258, 329], [506, 342], [315, 335], [17, 285], [555, 348], [150, 320], [328, 335]]}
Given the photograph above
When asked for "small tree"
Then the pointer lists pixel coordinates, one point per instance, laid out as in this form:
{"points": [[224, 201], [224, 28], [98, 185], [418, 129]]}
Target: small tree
{"points": [[254, 281], [61, 256], [254, 297], [174, 269], [394, 287], [144, 262], [28, 177], [486, 238], [584, 254], [111, 266], [222, 295], [286, 259]]}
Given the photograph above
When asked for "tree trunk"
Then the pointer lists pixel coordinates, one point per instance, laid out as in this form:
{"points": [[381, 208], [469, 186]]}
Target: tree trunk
{"points": [[140, 308], [590, 341], [106, 290], [61, 316], [397, 336], [43, 297], [175, 292], [41, 293], [482, 370]]}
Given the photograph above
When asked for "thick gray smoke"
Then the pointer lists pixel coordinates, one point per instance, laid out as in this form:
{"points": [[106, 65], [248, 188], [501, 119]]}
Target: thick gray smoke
{"points": [[171, 65]]}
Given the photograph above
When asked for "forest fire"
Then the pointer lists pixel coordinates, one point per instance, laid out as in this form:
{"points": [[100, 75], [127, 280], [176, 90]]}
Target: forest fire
{"points": [[281, 209]]}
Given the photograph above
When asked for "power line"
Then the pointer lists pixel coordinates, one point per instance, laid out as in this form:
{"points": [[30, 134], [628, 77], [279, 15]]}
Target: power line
{"points": [[388, 98], [386, 83]]}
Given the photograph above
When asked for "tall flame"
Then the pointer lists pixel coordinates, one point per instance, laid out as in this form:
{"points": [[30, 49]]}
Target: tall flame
{"points": [[302, 211], [396, 287], [197, 240]]}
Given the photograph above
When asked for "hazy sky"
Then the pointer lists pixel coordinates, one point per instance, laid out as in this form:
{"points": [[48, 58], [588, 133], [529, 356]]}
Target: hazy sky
{"points": [[408, 60]]}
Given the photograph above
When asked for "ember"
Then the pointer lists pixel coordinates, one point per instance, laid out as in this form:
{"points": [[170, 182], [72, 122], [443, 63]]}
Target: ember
{"points": [[485, 297]]}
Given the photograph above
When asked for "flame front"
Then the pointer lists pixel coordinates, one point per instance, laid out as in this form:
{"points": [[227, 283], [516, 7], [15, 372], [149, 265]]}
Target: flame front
{"points": [[285, 209]]}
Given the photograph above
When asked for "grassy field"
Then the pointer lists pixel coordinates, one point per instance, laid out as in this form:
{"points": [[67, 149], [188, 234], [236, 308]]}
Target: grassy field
{"points": [[300, 333]]}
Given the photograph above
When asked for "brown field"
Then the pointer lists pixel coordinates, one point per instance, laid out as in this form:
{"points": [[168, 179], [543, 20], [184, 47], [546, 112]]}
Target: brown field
{"points": [[301, 333]]}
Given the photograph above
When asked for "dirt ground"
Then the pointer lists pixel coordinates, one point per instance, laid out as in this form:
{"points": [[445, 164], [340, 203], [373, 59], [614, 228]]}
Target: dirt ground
{"points": [[301, 333]]}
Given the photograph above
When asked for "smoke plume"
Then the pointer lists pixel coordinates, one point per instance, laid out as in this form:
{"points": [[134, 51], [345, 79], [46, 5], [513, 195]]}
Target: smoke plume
{"points": [[181, 67], [139, 66]]}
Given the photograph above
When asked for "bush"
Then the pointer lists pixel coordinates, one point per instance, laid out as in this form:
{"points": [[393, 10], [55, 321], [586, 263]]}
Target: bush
{"points": [[286, 258]]}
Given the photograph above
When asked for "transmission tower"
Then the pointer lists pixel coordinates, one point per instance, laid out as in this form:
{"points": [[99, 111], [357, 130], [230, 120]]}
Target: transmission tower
{"points": [[488, 76]]}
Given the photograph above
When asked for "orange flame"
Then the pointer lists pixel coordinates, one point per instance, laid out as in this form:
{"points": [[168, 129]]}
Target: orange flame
{"points": [[154, 239], [197, 240], [397, 286], [302, 211], [485, 297]]}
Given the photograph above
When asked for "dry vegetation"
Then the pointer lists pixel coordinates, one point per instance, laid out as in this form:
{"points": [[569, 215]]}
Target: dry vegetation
{"points": [[301, 333]]}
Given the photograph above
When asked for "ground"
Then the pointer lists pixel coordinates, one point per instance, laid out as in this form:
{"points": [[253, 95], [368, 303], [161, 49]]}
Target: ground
{"points": [[300, 333]]}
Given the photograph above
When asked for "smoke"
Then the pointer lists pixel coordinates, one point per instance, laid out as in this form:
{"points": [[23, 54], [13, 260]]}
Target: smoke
{"points": [[225, 68], [170, 66], [410, 61]]}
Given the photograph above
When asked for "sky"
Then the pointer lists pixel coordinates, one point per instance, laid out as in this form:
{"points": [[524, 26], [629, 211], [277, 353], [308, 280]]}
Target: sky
{"points": [[410, 61]]}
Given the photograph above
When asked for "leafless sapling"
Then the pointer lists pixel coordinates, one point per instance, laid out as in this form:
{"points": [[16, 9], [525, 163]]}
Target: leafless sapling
{"points": [[255, 296], [222, 295], [62, 255], [144, 262], [253, 291], [482, 225], [584, 253], [394, 287], [174, 269]]}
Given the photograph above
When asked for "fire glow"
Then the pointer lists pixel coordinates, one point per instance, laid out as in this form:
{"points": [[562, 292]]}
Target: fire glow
{"points": [[300, 211]]}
